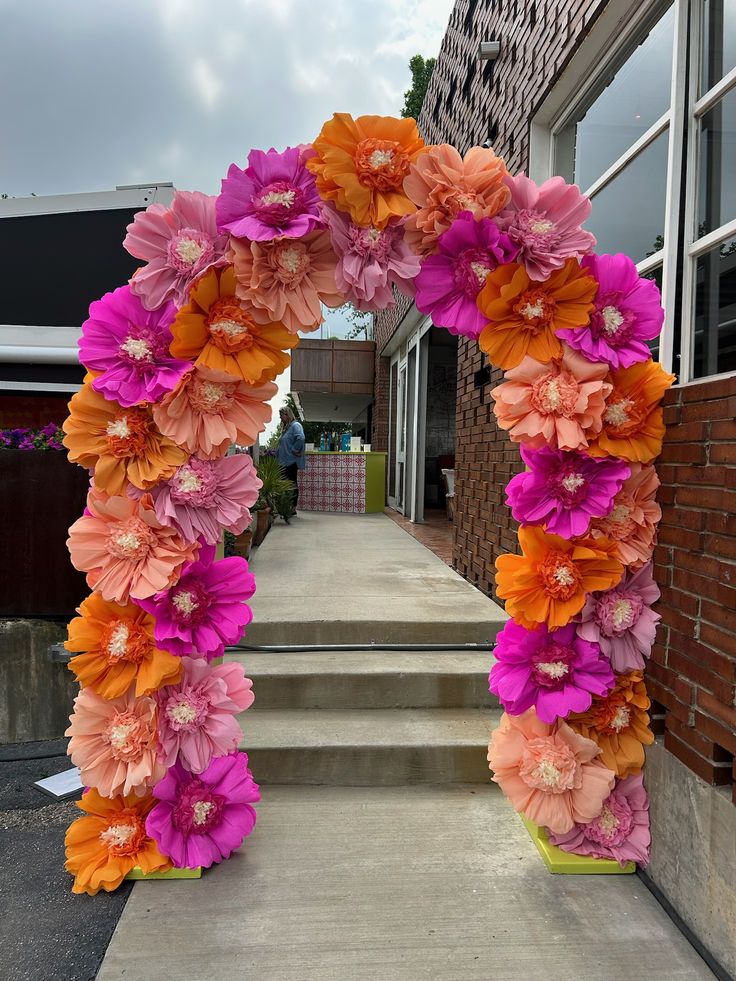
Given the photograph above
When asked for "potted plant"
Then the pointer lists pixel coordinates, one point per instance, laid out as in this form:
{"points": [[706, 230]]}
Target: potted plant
{"points": [[274, 497]]}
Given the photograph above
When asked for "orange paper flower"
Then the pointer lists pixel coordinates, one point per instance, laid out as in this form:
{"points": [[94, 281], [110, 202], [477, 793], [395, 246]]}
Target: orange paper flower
{"points": [[104, 846], [222, 333], [361, 165], [548, 583], [442, 184], [118, 650], [619, 724], [632, 420], [120, 444], [525, 314]]}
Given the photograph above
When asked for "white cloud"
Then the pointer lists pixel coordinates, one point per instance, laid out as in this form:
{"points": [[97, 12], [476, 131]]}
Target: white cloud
{"points": [[206, 83]]}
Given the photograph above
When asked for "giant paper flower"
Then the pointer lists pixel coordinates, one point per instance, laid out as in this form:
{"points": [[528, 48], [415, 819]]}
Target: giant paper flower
{"points": [[370, 261], [287, 280], [205, 496], [441, 184], [217, 330], [627, 313], [448, 283], [548, 772], [545, 223], [360, 164], [621, 830], [124, 549], [619, 723], [202, 819], [558, 404], [118, 650], [178, 244], [622, 621], [563, 490], [110, 841], [548, 583], [524, 314], [209, 410], [206, 609], [550, 670], [196, 717], [113, 742], [633, 519], [632, 420], [127, 347], [275, 195]]}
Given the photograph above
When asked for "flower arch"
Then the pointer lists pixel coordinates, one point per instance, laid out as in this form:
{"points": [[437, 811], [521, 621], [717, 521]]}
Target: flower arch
{"points": [[181, 362]]}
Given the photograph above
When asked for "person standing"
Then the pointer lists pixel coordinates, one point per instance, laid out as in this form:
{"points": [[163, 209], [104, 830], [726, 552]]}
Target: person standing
{"points": [[290, 452]]}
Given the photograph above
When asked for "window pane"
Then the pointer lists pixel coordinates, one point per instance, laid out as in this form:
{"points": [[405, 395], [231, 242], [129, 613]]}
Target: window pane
{"points": [[656, 276], [628, 213], [635, 98], [715, 311], [717, 165], [719, 41]]}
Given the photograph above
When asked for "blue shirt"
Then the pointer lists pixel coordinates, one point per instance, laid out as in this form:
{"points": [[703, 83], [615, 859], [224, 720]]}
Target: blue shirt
{"points": [[291, 446]]}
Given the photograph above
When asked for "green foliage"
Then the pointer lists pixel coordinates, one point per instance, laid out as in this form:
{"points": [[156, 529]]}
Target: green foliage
{"points": [[276, 492], [421, 72]]}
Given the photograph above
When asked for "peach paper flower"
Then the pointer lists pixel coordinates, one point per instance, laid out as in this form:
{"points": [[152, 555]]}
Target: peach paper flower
{"points": [[632, 523], [548, 772], [558, 404]]}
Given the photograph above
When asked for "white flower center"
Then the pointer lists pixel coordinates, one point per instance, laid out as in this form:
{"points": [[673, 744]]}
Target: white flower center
{"points": [[621, 719], [119, 427], [541, 225], [289, 260], [182, 713], [547, 773], [620, 513], [201, 811], [279, 197], [552, 395], [374, 235], [553, 669], [607, 820], [184, 603], [563, 576], [118, 835], [118, 644], [616, 414], [212, 393], [137, 348], [612, 319], [189, 481], [380, 158], [230, 327], [530, 312], [621, 612], [481, 271], [572, 482], [188, 250], [128, 541], [119, 735]]}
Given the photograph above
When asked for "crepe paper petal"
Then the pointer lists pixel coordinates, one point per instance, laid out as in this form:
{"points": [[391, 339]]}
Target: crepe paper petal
{"points": [[633, 519]]}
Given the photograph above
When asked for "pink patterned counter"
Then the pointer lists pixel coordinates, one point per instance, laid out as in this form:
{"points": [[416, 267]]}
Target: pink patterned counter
{"points": [[343, 482]]}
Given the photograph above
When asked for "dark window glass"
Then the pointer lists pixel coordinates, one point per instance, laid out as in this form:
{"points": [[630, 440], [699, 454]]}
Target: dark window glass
{"points": [[717, 166], [719, 41], [715, 311]]}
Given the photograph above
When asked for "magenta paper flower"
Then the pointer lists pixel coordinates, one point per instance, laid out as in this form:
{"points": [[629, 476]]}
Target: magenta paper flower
{"points": [[202, 819], [196, 716], [550, 670], [204, 496], [449, 282], [274, 196], [628, 312], [564, 489], [544, 222], [206, 609], [621, 830], [621, 620], [370, 261], [632, 522], [178, 244], [129, 346]]}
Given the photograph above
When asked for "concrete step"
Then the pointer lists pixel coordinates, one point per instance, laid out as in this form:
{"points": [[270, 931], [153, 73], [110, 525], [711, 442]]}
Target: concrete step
{"points": [[368, 679], [368, 747]]}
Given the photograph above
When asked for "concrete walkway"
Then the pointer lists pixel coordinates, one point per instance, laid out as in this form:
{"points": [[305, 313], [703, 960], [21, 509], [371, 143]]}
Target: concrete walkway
{"points": [[386, 883]]}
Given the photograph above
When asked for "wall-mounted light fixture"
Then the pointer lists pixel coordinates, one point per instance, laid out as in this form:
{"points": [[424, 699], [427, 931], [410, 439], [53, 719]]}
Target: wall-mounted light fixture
{"points": [[489, 50]]}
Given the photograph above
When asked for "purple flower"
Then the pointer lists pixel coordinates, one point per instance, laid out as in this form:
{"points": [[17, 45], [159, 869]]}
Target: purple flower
{"points": [[203, 819], [449, 282], [628, 312], [206, 609], [129, 345], [555, 671], [621, 620], [621, 830], [564, 489], [274, 196]]}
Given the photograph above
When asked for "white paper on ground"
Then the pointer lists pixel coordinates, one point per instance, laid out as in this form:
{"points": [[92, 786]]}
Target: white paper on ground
{"points": [[64, 784]]}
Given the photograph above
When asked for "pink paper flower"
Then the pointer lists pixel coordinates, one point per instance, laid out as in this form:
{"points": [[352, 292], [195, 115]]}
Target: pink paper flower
{"points": [[621, 830], [203, 819], [129, 347], [274, 196], [178, 244], [210, 409], [628, 312], [549, 670], [206, 609], [557, 405], [204, 496], [545, 223], [448, 283], [632, 522], [563, 489], [196, 716], [548, 772], [114, 742], [370, 261], [622, 621]]}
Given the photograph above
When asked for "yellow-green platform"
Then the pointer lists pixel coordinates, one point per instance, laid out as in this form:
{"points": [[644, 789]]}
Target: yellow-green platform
{"points": [[559, 862], [138, 873]]}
